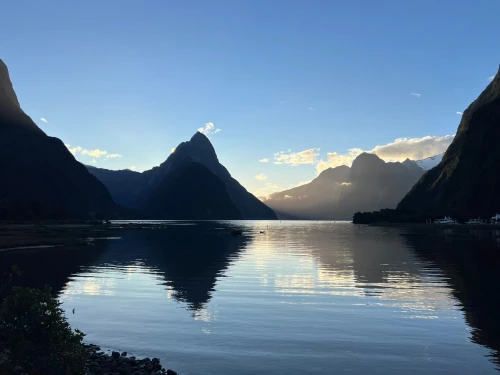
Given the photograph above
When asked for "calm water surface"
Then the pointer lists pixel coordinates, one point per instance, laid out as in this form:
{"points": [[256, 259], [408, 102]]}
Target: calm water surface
{"points": [[303, 297]]}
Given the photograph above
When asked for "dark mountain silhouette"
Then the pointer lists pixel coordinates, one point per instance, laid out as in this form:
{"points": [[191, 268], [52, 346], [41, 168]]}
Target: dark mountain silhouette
{"points": [[467, 181], [40, 178], [138, 190], [370, 184], [181, 196], [124, 185]]}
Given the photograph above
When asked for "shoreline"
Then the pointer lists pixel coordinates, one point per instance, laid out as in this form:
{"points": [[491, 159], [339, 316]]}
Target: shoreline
{"points": [[99, 363], [424, 225]]}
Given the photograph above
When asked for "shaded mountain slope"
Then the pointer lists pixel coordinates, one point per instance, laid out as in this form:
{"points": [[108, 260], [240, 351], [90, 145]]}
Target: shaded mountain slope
{"points": [[40, 178], [181, 196], [466, 183]]}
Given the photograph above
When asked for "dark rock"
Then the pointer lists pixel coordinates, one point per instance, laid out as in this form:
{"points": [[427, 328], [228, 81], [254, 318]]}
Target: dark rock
{"points": [[124, 354], [171, 372], [115, 355], [155, 360]]}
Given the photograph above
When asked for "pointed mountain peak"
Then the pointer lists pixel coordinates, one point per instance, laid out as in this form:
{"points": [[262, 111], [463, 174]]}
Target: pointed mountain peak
{"points": [[11, 114], [199, 136]]}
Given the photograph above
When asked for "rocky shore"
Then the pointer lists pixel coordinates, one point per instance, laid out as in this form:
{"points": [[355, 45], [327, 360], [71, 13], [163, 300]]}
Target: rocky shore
{"points": [[100, 363]]}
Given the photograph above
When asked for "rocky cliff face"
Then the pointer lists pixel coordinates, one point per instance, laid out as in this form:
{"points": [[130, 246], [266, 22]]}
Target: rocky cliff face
{"points": [[466, 183], [40, 179], [137, 189]]}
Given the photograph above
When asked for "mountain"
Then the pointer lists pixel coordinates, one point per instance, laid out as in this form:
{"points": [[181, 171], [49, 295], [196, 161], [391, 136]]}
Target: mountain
{"points": [[138, 190], [40, 178], [337, 193], [192, 192], [429, 163], [466, 183], [315, 200]]}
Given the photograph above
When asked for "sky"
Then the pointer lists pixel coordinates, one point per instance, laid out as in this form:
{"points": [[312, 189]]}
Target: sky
{"points": [[283, 89]]}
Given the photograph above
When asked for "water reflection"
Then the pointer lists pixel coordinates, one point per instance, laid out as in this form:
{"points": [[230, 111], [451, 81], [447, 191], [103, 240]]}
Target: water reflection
{"points": [[472, 271], [302, 297]]}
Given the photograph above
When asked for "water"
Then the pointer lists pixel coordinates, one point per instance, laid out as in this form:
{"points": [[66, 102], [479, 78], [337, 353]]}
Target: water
{"points": [[303, 297]]}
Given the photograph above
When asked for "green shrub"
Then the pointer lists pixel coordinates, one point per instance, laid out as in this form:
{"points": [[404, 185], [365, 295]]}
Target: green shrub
{"points": [[35, 337]]}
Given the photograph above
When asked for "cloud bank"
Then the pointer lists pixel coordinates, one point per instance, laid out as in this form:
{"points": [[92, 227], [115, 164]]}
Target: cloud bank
{"points": [[94, 154]]}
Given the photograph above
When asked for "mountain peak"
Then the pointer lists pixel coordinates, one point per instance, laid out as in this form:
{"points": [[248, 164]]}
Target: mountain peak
{"points": [[11, 113]]}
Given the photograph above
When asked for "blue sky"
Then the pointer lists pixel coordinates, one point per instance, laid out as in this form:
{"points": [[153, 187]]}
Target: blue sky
{"points": [[306, 78]]}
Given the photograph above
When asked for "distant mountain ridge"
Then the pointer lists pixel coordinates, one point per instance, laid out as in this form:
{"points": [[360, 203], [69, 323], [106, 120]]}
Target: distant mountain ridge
{"points": [[337, 193], [466, 183], [139, 190], [40, 178]]}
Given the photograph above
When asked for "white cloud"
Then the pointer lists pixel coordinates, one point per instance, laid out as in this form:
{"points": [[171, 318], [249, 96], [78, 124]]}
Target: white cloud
{"points": [[43, 119], [172, 150], [269, 188], [303, 182], [265, 160], [73, 150], [459, 113], [94, 153], [297, 158], [132, 168], [311, 109], [415, 94], [491, 78], [261, 177], [209, 129], [399, 150], [113, 156]]}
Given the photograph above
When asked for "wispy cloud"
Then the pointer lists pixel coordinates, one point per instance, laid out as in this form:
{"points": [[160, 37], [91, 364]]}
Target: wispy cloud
{"points": [[415, 94], [297, 158], [209, 130], [94, 153], [132, 168], [261, 177], [43, 119], [491, 78], [459, 113], [73, 150], [113, 156], [265, 160], [311, 109], [398, 150]]}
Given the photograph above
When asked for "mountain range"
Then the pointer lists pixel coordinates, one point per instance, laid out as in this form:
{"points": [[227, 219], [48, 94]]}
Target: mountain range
{"points": [[370, 184]]}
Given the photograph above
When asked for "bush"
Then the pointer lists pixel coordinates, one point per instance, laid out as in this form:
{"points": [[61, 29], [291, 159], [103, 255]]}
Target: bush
{"points": [[35, 337]]}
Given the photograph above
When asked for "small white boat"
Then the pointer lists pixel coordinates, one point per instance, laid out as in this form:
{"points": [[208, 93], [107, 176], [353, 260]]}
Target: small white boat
{"points": [[495, 219], [446, 220], [475, 221]]}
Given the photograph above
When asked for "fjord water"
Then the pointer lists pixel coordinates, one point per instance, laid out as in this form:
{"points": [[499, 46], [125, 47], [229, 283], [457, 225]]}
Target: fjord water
{"points": [[303, 297]]}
